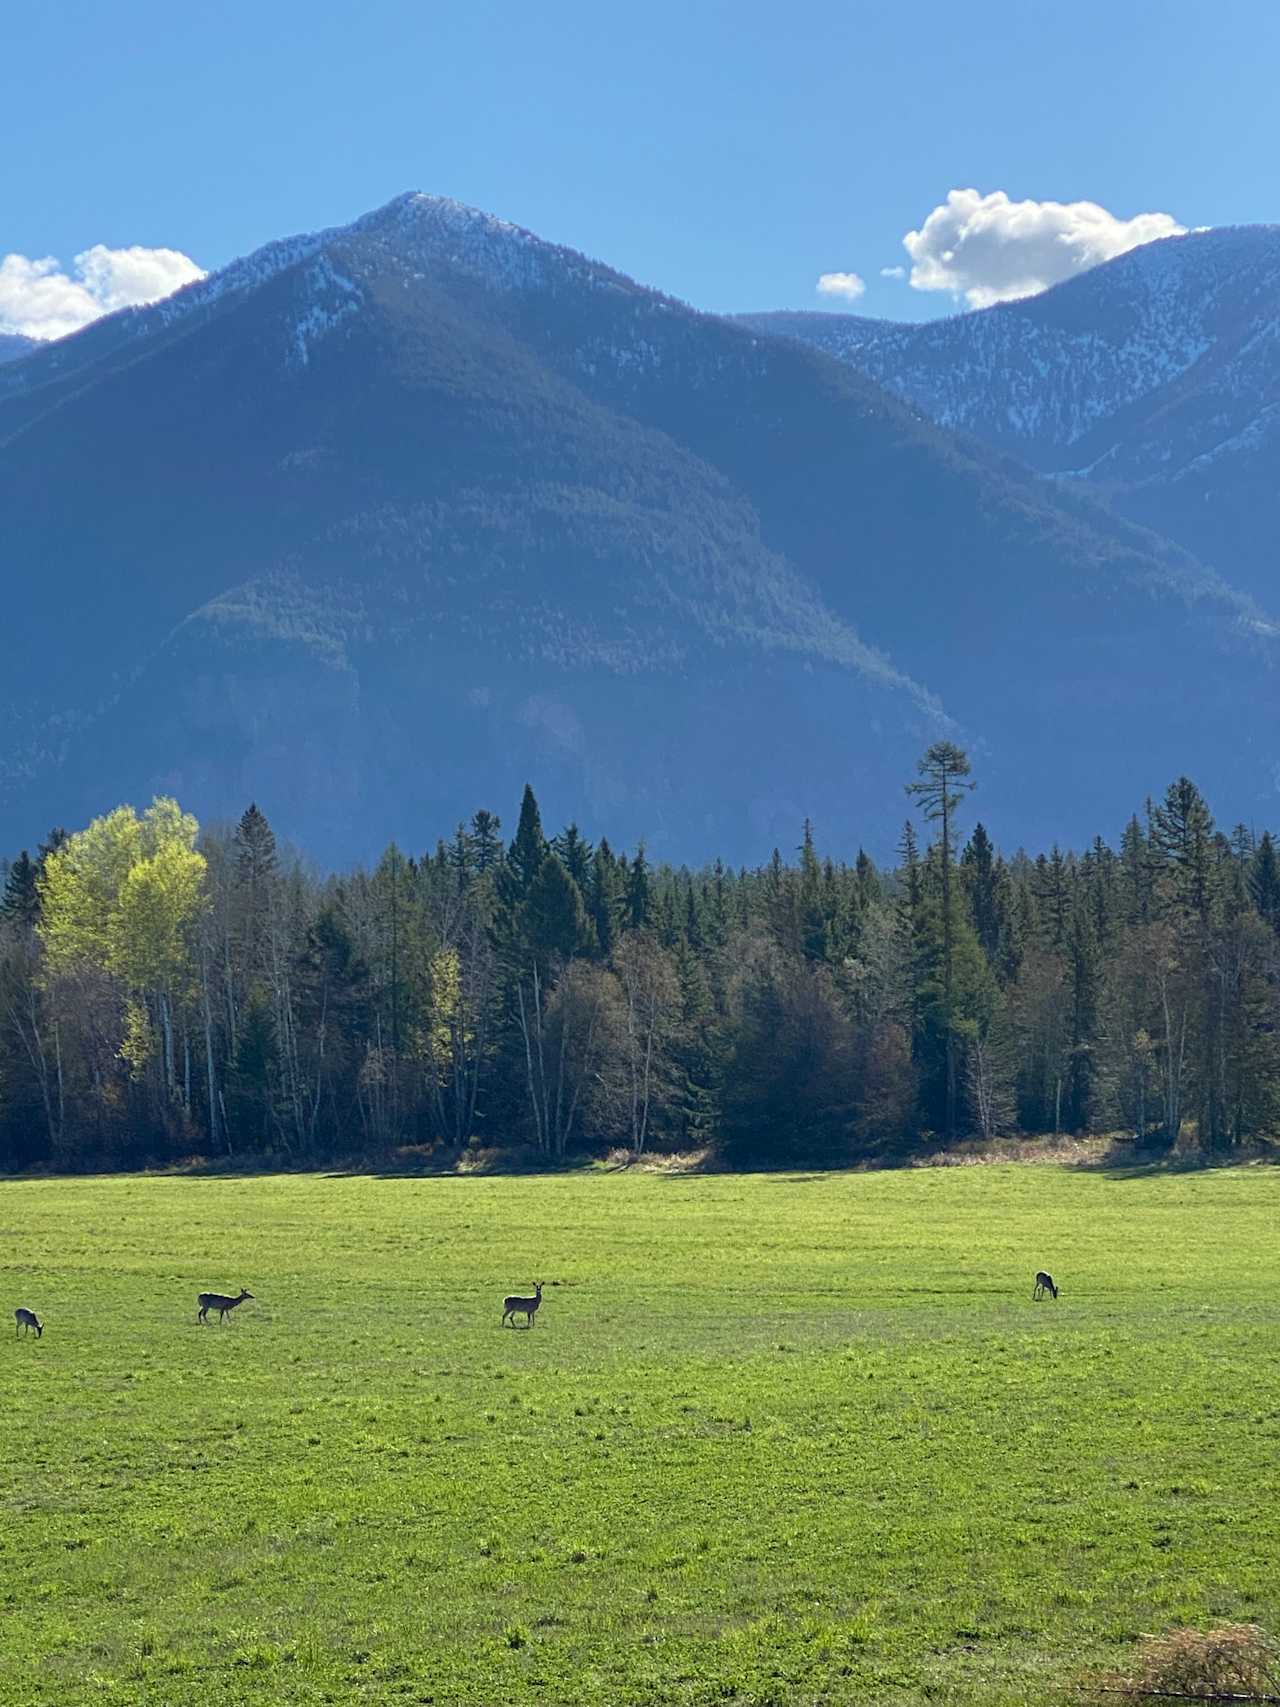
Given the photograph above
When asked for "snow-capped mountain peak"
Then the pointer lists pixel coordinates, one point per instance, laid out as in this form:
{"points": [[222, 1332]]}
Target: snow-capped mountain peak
{"points": [[416, 235], [1155, 376]]}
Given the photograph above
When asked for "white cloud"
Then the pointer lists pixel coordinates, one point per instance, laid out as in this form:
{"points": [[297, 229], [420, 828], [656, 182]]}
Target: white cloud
{"points": [[991, 249], [40, 299], [847, 285], [893, 272]]}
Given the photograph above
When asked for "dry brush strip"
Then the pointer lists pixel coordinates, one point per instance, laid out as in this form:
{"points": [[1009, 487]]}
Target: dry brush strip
{"points": [[1235, 1662]]}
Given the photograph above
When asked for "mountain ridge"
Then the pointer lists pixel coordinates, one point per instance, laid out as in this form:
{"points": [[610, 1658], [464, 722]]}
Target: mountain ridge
{"points": [[1154, 378], [483, 485]]}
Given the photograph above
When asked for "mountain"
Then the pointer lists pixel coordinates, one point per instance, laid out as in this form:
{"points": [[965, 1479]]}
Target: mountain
{"points": [[1154, 378], [13, 345], [379, 522]]}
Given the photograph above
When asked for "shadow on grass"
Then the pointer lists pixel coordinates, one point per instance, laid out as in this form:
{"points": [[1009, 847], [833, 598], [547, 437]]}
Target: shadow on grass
{"points": [[1122, 1161], [767, 1175], [1117, 1160]]}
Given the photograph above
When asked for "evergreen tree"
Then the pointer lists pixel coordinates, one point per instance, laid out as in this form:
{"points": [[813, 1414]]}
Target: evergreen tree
{"points": [[256, 857], [1081, 1096], [1136, 874], [789, 1083], [515, 878], [399, 957], [694, 931], [21, 899], [843, 909], [574, 853], [1098, 872], [1230, 880], [253, 1080], [486, 847], [666, 917], [1053, 898], [257, 870], [991, 1070], [812, 901], [461, 858], [554, 926], [1264, 881], [955, 992], [868, 880], [527, 851], [1182, 834], [639, 893], [604, 902], [978, 867], [939, 791], [1019, 922], [697, 1052], [334, 1014], [719, 909], [909, 866]]}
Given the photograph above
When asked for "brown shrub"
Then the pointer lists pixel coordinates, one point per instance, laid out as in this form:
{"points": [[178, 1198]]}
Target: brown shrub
{"points": [[1236, 1662]]}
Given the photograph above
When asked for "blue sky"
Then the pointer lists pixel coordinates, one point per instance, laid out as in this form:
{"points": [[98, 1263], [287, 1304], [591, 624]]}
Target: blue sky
{"points": [[729, 154]]}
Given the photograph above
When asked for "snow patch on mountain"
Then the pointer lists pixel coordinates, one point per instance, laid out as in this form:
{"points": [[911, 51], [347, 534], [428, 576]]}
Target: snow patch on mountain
{"points": [[1042, 377], [332, 298], [430, 231]]}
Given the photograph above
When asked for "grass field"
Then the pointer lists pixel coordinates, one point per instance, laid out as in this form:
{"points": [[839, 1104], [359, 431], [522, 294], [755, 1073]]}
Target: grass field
{"points": [[781, 1439]]}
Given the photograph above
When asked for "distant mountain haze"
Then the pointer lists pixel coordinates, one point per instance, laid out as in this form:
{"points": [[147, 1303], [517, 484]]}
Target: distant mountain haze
{"points": [[378, 523]]}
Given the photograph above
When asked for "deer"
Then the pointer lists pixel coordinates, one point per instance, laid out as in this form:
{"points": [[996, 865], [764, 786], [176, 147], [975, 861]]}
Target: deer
{"points": [[217, 1301], [526, 1307], [1044, 1283], [25, 1320]]}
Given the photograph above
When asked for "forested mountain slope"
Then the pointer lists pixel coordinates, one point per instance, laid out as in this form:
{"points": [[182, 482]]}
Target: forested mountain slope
{"points": [[379, 521], [1154, 378]]}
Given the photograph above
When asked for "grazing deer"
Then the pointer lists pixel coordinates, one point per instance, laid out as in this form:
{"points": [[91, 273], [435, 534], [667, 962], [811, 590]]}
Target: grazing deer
{"points": [[1044, 1283], [216, 1301], [26, 1320], [526, 1307]]}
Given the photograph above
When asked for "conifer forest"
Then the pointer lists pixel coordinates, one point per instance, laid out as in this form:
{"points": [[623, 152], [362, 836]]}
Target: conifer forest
{"points": [[521, 994]]}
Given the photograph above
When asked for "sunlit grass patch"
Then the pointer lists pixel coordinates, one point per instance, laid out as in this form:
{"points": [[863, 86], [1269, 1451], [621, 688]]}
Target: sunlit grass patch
{"points": [[764, 1443]]}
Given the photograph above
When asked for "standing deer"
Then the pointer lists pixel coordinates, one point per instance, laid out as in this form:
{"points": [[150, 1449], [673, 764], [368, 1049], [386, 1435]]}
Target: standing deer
{"points": [[26, 1320], [526, 1307], [1044, 1283], [216, 1301]]}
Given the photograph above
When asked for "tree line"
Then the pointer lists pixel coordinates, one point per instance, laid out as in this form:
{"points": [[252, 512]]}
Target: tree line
{"points": [[167, 993]]}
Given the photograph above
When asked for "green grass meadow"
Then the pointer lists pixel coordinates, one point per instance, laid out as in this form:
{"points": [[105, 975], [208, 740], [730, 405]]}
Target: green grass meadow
{"points": [[780, 1439]]}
